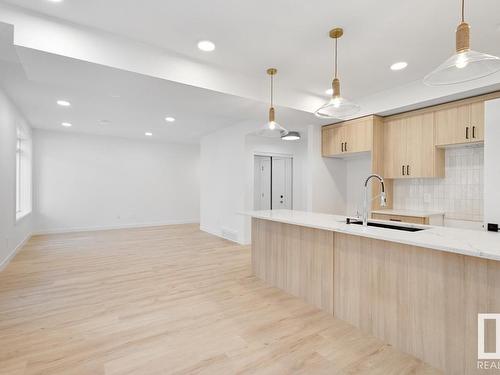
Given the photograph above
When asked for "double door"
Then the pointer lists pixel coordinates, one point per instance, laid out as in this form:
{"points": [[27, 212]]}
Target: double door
{"points": [[273, 176], [460, 125], [349, 137]]}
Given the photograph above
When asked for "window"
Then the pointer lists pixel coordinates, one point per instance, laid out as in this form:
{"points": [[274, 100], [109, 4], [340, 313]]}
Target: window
{"points": [[23, 173]]}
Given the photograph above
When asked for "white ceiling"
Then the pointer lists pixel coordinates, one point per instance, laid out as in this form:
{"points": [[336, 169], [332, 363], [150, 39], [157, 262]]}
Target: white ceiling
{"points": [[292, 35], [97, 48], [132, 103]]}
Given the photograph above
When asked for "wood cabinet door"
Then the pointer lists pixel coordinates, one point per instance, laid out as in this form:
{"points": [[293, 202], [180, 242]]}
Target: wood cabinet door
{"points": [[327, 141], [476, 121], [448, 130], [400, 218], [332, 138], [420, 149], [358, 136], [394, 148]]}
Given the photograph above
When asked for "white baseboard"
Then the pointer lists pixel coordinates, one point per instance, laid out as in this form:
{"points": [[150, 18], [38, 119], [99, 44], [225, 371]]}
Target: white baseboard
{"points": [[11, 256], [218, 233], [116, 226]]}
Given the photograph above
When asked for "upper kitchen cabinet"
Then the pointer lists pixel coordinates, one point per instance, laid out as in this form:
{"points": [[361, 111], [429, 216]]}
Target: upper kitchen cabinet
{"points": [[460, 124], [409, 150], [348, 137]]}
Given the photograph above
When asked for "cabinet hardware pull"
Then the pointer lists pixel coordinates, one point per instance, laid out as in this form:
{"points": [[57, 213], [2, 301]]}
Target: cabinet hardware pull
{"points": [[403, 168], [345, 147], [408, 170], [473, 132], [467, 132], [394, 220]]}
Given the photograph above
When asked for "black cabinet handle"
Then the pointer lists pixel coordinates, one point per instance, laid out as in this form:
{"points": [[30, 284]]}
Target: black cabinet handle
{"points": [[473, 132], [467, 132], [342, 147], [408, 170], [345, 147], [403, 169], [394, 220]]}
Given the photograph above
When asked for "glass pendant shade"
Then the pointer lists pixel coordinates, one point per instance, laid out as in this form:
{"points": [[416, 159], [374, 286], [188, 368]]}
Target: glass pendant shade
{"points": [[466, 64], [462, 67], [271, 129], [337, 107]]}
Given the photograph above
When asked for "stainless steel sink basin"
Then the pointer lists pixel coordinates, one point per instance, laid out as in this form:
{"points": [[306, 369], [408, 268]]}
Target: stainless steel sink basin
{"points": [[387, 226]]}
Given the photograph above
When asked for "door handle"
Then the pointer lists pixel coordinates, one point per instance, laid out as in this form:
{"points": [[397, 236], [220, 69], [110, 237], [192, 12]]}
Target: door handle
{"points": [[403, 170], [467, 132], [407, 170], [473, 132]]}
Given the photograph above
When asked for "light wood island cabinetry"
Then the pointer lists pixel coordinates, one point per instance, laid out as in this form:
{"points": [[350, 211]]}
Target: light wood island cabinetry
{"points": [[422, 301]]}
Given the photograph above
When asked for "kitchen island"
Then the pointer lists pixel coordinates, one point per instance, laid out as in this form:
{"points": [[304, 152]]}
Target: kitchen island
{"points": [[419, 291]]}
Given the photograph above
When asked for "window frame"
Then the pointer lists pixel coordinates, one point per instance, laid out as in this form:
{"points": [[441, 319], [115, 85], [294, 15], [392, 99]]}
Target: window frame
{"points": [[24, 175]]}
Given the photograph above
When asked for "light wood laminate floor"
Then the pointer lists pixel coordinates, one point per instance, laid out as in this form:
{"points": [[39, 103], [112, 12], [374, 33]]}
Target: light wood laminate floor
{"points": [[167, 300]]}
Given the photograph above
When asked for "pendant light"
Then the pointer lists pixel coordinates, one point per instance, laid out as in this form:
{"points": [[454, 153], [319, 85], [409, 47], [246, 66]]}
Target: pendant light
{"points": [[465, 64], [271, 128], [337, 107]]}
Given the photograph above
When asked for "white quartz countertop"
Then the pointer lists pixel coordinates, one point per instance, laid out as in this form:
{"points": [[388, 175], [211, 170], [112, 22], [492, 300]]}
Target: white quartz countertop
{"points": [[474, 243], [413, 213]]}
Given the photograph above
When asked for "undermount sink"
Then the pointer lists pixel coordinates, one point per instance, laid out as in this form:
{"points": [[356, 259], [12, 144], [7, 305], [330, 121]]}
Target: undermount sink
{"points": [[387, 226]]}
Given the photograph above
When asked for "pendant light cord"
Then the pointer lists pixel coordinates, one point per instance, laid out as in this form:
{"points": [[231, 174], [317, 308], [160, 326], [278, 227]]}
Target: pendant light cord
{"points": [[463, 10]]}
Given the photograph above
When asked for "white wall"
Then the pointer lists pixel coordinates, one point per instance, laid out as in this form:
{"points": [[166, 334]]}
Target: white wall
{"points": [[227, 172], [12, 234], [492, 162], [93, 182], [222, 183], [227, 177], [327, 190]]}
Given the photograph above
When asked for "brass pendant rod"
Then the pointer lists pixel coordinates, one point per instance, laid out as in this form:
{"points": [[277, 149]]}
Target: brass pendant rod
{"points": [[272, 89], [336, 59], [463, 10]]}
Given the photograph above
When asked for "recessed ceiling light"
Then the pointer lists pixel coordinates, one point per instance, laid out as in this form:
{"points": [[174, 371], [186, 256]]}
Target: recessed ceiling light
{"points": [[66, 124], [399, 65], [63, 103], [56, 1], [329, 92], [169, 119], [148, 134], [206, 45]]}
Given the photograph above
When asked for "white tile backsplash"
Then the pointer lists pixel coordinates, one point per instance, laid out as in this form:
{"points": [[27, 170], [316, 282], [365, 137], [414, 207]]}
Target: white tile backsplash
{"points": [[459, 195]]}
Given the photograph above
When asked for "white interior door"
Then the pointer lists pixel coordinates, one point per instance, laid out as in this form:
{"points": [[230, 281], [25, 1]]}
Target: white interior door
{"points": [[281, 189], [262, 183]]}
